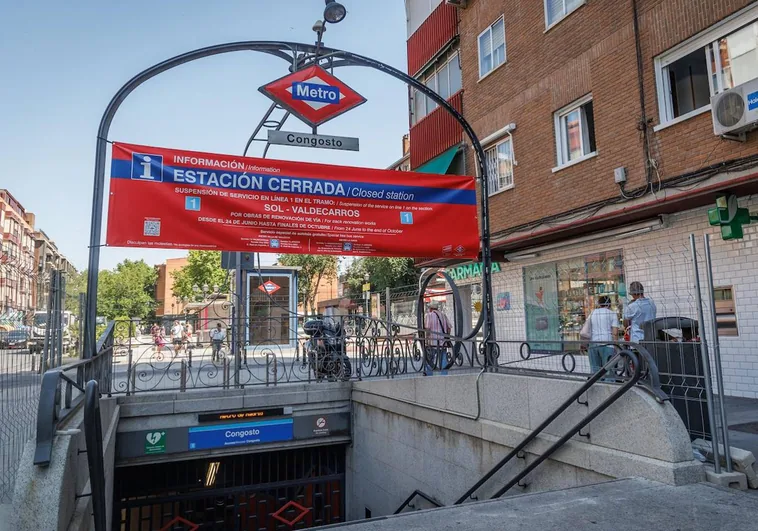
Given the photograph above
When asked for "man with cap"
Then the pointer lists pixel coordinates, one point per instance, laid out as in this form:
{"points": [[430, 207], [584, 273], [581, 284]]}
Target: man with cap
{"points": [[638, 312], [437, 327]]}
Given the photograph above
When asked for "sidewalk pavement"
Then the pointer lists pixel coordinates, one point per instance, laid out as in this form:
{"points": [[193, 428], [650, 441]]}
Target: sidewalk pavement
{"points": [[742, 416]]}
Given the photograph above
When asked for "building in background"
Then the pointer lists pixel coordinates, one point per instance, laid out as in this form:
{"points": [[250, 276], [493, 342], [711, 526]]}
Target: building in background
{"points": [[404, 163], [598, 130], [47, 258], [433, 58], [167, 302], [17, 266]]}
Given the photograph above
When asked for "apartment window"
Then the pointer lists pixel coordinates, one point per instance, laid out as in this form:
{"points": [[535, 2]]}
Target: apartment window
{"points": [[499, 160], [492, 47], [445, 79], [575, 131], [719, 59], [556, 10]]}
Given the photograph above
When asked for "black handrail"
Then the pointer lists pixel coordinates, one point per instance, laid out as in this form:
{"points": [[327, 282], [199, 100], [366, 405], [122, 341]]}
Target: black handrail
{"points": [[93, 435], [554, 415], [407, 502], [50, 414]]}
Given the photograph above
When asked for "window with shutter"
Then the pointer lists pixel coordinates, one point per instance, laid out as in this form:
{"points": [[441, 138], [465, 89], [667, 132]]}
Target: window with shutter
{"points": [[492, 47]]}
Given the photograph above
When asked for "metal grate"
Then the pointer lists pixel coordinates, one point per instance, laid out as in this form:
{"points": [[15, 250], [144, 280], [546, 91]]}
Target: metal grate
{"points": [[253, 491]]}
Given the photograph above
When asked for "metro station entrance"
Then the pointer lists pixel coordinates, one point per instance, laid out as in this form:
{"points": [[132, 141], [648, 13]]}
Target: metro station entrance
{"points": [[271, 491]]}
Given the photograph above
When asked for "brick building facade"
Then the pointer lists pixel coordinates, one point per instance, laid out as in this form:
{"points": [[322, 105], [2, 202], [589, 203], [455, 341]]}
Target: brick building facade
{"points": [[17, 268], [566, 96]]}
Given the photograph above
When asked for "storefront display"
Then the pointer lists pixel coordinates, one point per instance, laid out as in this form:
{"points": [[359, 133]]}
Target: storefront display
{"points": [[560, 296], [541, 307]]}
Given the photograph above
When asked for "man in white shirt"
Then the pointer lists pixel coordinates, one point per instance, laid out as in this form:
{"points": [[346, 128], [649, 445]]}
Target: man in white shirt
{"points": [[605, 328], [177, 336], [218, 335]]}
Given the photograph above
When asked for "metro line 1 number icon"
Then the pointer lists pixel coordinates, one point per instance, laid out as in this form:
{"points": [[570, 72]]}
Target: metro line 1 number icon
{"points": [[313, 95]]}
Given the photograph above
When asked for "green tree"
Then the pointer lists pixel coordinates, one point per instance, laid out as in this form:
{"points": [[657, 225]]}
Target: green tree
{"points": [[313, 269], [203, 267], [128, 290], [382, 272], [76, 283]]}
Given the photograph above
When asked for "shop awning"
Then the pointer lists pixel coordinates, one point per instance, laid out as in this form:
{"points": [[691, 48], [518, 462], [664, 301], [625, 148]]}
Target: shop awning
{"points": [[439, 164]]}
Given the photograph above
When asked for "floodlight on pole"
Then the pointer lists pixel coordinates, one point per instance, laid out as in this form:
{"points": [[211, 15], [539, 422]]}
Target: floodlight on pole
{"points": [[334, 12]]}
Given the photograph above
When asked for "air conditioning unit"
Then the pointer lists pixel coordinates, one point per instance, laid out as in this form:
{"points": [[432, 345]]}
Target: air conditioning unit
{"points": [[458, 3], [735, 111]]}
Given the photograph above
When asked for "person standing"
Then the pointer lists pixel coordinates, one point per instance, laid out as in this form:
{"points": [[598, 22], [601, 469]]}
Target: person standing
{"points": [[604, 328], [638, 312], [177, 336], [218, 336], [437, 327]]}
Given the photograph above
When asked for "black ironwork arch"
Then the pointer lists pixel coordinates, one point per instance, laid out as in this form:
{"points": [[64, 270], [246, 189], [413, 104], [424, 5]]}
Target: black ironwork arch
{"points": [[298, 55]]}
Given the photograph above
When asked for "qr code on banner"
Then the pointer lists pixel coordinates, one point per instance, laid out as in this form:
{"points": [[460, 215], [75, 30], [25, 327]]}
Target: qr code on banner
{"points": [[152, 228]]}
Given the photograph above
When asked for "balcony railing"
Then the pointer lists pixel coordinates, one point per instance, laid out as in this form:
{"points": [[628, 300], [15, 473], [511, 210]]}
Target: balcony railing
{"points": [[436, 132], [435, 32]]}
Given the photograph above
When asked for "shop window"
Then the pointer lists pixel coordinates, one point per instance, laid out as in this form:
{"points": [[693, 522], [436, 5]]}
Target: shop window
{"points": [[726, 311], [716, 60], [561, 295]]}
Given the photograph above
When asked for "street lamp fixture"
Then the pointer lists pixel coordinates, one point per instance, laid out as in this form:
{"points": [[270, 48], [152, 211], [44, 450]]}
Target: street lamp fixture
{"points": [[334, 12]]}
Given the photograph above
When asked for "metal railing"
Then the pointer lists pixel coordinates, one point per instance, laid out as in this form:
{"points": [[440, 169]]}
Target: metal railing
{"points": [[273, 354], [93, 433], [630, 372], [63, 390], [408, 503]]}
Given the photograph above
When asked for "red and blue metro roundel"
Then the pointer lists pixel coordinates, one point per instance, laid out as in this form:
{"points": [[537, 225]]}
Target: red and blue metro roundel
{"points": [[313, 95]]}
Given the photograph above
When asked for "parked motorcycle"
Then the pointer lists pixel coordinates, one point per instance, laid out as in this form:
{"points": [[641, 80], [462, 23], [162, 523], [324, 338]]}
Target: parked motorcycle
{"points": [[325, 349]]}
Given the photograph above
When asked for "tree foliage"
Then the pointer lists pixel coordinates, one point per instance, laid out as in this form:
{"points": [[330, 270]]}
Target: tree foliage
{"points": [[383, 273], [203, 268], [127, 291], [76, 283], [314, 270]]}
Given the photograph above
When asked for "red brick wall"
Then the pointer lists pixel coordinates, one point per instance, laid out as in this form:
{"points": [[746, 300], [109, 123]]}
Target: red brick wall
{"points": [[592, 50]]}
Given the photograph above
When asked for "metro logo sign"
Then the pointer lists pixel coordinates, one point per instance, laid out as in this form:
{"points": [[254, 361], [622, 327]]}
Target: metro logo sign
{"points": [[269, 287], [313, 95]]}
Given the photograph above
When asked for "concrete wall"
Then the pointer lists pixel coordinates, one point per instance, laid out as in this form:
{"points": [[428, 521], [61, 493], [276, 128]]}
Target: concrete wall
{"points": [[402, 444], [45, 497]]}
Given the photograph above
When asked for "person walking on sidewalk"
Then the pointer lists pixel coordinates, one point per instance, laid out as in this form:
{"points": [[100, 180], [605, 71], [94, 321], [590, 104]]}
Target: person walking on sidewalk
{"points": [[437, 328], [177, 336], [638, 312], [218, 335]]}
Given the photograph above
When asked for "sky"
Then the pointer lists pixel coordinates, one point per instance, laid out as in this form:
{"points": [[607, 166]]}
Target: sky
{"points": [[62, 62]]}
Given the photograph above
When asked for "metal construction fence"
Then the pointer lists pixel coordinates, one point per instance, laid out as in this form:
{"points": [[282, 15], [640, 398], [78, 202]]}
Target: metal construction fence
{"points": [[29, 345], [540, 311]]}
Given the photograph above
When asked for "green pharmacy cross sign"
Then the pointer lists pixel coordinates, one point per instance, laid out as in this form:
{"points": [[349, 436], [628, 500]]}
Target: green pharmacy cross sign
{"points": [[730, 217]]}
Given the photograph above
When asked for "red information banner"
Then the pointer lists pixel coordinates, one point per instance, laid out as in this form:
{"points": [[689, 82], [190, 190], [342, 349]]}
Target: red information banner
{"points": [[172, 199]]}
